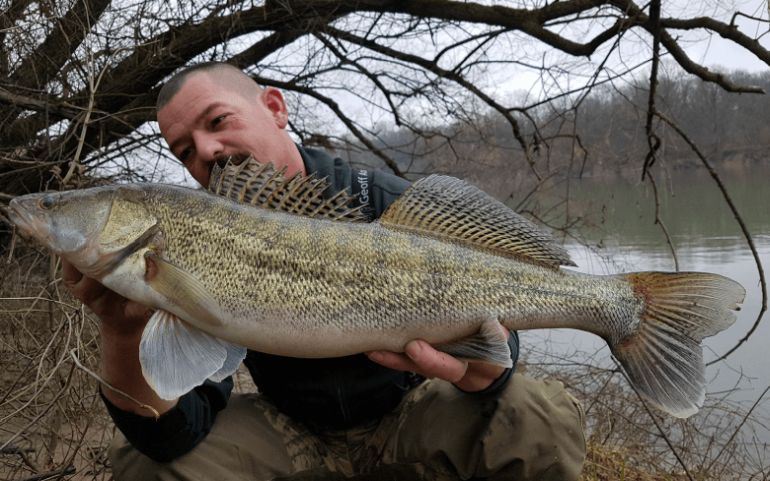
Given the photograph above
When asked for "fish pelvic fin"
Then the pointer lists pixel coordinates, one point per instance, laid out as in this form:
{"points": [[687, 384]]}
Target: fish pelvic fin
{"points": [[448, 208], [663, 357]]}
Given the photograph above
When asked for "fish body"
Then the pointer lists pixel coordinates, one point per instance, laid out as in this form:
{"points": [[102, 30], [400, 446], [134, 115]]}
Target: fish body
{"points": [[294, 286], [226, 275]]}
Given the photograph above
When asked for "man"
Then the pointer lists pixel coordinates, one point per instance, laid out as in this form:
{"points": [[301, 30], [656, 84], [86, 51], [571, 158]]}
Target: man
{"points": [[317, 418]]}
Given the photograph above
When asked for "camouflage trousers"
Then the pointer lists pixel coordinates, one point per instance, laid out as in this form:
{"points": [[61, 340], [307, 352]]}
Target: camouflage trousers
{"points": [[533, 430]]}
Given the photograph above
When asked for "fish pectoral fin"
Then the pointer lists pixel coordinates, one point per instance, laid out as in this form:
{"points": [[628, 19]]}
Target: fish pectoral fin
{"points": [[488, 345], [177, 357], [183, 288]]}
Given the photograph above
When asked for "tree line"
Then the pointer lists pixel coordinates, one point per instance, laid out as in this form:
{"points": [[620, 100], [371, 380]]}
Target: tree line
{"points": [[599, 135]]}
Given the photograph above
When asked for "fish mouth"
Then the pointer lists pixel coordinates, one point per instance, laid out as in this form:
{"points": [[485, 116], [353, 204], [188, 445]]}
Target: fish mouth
{"points": [[27, 224]]}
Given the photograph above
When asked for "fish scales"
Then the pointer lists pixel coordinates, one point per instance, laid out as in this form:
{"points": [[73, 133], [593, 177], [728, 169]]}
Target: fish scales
{"points": [[445, 263], [317, 276]]}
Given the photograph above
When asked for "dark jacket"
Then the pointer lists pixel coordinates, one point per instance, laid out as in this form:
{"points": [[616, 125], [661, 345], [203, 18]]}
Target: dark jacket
{"points": [[324, 394]]}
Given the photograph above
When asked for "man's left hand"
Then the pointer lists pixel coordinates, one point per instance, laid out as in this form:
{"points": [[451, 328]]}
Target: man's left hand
{"points": [[421, 358]]}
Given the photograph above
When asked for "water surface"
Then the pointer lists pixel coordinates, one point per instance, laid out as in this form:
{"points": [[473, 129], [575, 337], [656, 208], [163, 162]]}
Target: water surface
{"points": [[617, 234]]}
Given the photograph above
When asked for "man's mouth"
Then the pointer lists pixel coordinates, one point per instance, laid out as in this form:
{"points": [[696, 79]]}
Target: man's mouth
{"points": [[235, 159]]}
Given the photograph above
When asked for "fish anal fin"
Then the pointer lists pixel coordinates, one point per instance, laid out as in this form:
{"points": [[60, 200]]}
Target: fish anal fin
{"points": [[176, 357], [663, 358], [489, 344], [181, 288], [449, 208], [248, 181]]}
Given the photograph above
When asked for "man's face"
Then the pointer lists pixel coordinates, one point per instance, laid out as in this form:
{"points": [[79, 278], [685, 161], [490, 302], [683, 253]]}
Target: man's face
{"points": [[206, 122]]}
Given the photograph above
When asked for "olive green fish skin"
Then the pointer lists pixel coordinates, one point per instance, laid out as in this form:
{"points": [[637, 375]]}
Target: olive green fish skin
{"points": [[314, 288], [301, 287]]}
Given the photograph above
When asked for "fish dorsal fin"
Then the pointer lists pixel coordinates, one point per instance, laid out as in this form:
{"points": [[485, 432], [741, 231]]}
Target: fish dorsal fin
{"points": [[259, 184], [449, 208]]}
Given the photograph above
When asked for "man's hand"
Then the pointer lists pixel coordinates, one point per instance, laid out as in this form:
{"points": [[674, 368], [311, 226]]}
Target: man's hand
{"points": [[118, 314], [121, 330], [421, 358]]}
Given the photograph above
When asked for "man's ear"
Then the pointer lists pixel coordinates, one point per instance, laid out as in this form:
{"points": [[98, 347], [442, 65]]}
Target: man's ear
{"points": [[272, 98]]}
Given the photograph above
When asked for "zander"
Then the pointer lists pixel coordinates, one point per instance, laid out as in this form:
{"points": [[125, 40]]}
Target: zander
{"points": [[445, 263]]}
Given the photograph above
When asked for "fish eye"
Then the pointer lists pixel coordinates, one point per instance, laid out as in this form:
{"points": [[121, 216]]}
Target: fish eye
{"points": [[46, 202]]}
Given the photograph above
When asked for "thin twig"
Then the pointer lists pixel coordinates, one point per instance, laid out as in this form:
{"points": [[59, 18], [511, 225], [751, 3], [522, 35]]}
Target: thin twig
{"points": [[14, 235], [75, 162], [659, 221], [113, 388], [653, 141], [51, 474], [655, 421], [741, 223], [12, 449], [37, 418], [735, 433]]}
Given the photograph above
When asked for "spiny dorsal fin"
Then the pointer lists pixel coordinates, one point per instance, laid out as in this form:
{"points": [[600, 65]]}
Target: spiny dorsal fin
{"points": [[254, 183], [449, 208]]}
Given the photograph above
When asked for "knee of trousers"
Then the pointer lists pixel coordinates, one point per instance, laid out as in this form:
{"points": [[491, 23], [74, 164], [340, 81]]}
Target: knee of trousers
{"points": [[533, 430], [536, 432], [242, 445]]}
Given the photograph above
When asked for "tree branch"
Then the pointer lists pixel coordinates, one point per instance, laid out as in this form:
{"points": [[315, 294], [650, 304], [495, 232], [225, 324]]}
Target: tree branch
{"points": [[450, 75], [66, 36], [681, 57], [334, 107]]}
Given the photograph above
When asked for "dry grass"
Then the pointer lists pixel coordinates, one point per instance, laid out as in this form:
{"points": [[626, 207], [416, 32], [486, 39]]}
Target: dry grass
{"points": [[51, 417], [53, 422]]}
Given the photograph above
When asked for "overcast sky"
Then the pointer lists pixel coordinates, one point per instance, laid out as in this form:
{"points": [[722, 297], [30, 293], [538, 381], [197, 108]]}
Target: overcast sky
{"points": [[717, 51]]}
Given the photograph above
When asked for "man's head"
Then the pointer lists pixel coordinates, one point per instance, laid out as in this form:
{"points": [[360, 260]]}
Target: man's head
{"points": [[211, 111]]}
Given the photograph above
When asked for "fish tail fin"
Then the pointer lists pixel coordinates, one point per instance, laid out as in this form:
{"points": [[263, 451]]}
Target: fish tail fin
{"points": [[663, 357]]}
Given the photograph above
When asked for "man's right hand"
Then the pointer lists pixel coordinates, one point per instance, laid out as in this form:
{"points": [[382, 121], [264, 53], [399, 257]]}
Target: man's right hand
{"points": [[118, 314], [121, 329]]}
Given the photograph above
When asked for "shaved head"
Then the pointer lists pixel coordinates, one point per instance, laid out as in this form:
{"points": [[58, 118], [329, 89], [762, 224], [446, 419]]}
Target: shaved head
{"points": [[229, 76]]}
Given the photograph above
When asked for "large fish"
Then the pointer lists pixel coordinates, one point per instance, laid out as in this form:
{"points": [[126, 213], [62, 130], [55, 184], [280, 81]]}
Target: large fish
{"points": [[445, 263]]}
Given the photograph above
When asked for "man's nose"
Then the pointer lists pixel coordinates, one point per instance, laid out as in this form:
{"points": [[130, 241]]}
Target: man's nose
{"points": [[208, 148]]}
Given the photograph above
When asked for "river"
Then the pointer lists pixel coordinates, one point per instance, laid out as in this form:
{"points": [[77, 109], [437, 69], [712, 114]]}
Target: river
{"points": [[617, 234]]}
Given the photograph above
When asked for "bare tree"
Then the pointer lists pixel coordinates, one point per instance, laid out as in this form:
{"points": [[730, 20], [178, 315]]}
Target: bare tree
{"points": [[78, 79]]}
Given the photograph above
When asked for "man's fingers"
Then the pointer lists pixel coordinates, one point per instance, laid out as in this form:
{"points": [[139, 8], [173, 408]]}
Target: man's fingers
{"points": [[393, 360], [69, 274], [419, 357], [87, 290], [90, 291], [134, 310], [432, 363]]}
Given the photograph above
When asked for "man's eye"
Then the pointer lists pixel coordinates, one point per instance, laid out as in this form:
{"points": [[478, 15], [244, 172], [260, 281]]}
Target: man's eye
{"points": [[217, 120]]}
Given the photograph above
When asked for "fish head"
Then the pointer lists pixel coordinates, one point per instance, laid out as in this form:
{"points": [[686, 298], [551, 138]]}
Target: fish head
{"points": [[91, 228]]}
